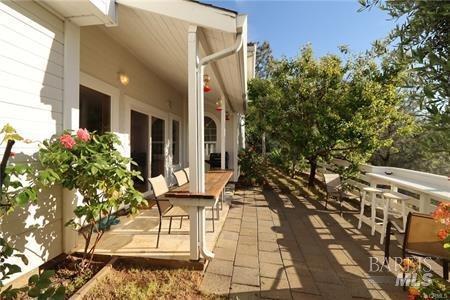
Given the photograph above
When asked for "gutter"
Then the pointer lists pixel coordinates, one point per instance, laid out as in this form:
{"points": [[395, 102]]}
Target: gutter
{"points": [[223, 53], [217, 56], [201, 67]]}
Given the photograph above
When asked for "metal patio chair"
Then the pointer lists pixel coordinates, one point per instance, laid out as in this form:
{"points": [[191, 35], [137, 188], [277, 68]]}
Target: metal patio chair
{"points": [[159, 187], [420, 239], [181, 177], [335, 189]]}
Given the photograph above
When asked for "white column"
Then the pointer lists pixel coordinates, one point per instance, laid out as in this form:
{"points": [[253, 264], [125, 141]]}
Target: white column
{"points": [[222, 136], [71, 100], [193, 108]]}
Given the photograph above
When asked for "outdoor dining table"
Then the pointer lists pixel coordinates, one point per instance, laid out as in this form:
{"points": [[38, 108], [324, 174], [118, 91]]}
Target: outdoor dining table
{"points": [[195, 203]]}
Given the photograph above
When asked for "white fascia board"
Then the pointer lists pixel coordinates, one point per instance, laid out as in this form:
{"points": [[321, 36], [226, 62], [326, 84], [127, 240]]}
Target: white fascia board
{"points": [[242, 25], [107, 11], [188, 11], [84, 12]]}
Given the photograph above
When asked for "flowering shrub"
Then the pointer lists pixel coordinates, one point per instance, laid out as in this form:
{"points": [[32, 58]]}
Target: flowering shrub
{"points": [[442, 215], [252, 166], [425, 287], [90, 164]]}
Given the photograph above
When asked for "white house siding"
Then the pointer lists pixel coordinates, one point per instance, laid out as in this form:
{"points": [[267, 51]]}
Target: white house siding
{"points": [[103, 58], [31, 88]]}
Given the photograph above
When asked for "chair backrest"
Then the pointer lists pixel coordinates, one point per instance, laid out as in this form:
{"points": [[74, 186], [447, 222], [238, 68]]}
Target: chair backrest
{"points": [[181, 177], [186, 170], [159, 185], [421, 236], [333, 181]]}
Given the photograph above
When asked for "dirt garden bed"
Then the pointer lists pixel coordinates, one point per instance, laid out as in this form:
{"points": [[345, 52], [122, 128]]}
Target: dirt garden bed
{"points": [[130, 278]]}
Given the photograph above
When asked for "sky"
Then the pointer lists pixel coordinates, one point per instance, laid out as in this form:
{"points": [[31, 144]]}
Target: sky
{"points": [[288, 25]]}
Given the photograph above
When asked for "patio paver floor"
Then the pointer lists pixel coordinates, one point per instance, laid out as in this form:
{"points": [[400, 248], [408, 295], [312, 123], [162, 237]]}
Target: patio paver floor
{"points": [[283, 244]]}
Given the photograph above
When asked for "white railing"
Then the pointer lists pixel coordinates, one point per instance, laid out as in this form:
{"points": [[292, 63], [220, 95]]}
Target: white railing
{"points": [[425, 189]]}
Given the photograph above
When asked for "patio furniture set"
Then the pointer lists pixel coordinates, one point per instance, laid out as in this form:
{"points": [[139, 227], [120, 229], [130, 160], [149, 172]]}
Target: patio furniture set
{"points": [[215, 182], [420, 230], [386, 200]]}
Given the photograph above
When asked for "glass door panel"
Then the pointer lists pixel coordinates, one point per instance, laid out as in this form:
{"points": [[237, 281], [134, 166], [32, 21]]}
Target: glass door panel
{"points": [[139, 140], [158, 147]]}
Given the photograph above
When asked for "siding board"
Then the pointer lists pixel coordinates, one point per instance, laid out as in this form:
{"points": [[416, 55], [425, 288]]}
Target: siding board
{"points": [[31, 91]]}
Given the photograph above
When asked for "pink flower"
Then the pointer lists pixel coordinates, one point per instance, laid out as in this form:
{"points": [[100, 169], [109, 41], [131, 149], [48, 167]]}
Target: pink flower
{"points": [[442, 234], [67, 141], [12, 154], [83, 134]]}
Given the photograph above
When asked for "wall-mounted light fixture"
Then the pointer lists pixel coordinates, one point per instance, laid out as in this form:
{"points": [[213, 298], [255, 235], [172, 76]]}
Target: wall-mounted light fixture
{"points": [[219, 105], [123, 78]]}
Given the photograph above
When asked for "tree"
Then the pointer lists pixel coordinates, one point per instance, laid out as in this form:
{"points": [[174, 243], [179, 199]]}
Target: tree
{"points": [[422, 40], [329, 109], [260, 113], [264, 58]]}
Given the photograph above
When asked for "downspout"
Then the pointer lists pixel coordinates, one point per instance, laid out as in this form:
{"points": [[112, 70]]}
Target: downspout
{"points": [[201, 66]]}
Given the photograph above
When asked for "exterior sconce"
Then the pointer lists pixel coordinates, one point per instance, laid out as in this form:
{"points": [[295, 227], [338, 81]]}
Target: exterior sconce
{"points": [[219, 105], [206, 87], [124, 79]]}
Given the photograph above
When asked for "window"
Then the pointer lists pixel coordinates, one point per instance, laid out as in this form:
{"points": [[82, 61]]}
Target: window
{"points": [[175, 142], [95, 110], [210, 136]]}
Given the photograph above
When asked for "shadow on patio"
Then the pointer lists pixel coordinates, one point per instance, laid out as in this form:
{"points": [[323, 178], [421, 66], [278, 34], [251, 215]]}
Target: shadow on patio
{"points": [[281, 243]]}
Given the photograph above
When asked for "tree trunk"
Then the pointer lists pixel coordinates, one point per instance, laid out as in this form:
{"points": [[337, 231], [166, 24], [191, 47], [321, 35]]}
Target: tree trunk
{"points": [[293, 169], [312, 171], [263, 144]]}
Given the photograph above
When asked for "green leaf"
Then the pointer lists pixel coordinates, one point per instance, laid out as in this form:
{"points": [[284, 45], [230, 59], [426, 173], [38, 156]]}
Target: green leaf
{"points": [[33, 279], [34, 292], [22, 199]]}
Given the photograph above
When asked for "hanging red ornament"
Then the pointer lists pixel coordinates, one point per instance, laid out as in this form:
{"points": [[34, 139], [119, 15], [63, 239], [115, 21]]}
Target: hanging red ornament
{"points": [[206, 87]]}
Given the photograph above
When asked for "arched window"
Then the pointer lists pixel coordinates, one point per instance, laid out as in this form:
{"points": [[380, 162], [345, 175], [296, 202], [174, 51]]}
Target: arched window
{"points": [[210, 136]]}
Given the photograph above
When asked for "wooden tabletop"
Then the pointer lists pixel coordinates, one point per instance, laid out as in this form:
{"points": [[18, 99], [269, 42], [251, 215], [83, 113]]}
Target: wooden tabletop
{"points": [[215, 182]]}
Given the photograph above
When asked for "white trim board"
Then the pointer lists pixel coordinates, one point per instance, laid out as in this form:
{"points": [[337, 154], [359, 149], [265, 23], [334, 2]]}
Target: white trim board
{"points": [[105, 88]]}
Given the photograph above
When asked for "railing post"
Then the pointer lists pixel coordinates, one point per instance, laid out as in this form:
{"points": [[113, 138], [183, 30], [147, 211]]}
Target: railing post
{"points": [[424, 205]]}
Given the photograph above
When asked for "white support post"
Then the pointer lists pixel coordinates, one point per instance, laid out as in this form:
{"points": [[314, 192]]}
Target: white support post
{"points": [[71, 100], [193, 108], [201, 131], [222, 136]]}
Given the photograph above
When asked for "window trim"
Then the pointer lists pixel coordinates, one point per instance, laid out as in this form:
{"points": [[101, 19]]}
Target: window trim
{"points": [[216, 121], [107, 89], [180, 141]]}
